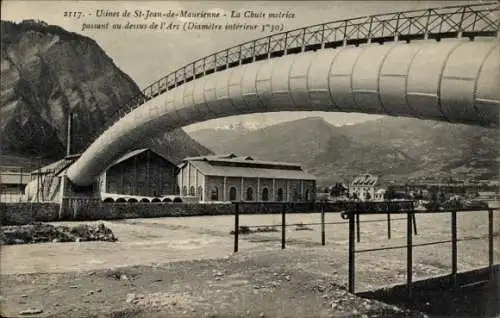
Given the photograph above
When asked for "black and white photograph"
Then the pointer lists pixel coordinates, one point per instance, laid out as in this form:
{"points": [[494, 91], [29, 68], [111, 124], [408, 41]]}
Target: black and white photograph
{"points": [[260, 159]]}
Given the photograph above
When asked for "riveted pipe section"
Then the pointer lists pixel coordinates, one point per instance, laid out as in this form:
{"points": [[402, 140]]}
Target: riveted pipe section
{"points": [[452, 80]]}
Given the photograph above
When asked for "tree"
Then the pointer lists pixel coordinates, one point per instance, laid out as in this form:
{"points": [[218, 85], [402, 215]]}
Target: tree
{"points": [[419, 195], [337, 190], [433, 193], [390, 194], [442, 197]]}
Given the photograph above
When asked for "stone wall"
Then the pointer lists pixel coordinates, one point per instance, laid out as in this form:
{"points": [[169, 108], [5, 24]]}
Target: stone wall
{"points": [[24, 213]]}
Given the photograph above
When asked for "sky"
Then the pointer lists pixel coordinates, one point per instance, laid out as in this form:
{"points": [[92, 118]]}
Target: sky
{"points": [[148, 55]]}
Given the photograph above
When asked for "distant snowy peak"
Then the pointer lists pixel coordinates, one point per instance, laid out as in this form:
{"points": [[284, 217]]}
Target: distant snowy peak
{"points": [[244, 126]]}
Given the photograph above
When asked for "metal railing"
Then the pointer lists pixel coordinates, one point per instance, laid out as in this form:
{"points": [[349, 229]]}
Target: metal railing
{"points": [[392, 211], [448, 22], [353, 215]]}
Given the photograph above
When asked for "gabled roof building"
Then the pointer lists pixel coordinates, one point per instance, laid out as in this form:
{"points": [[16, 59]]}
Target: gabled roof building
{"points": [[141, 172], [242, 178], [362, 187]]}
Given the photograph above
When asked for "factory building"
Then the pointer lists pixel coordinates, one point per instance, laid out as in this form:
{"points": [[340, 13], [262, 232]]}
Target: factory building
{"points": [[141, 172], [235, 178]]}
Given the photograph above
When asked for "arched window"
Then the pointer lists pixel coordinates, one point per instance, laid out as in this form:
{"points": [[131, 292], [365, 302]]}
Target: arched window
{"points": [[232, 194], [177, 190], [184, 190], [280, 195], [214, 195], [200, 192], [191, 190], [250, 194], [265, 194]]}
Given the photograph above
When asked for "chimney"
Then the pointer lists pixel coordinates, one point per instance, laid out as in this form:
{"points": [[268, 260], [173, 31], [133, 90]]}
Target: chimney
{"points": [[69, 134]]}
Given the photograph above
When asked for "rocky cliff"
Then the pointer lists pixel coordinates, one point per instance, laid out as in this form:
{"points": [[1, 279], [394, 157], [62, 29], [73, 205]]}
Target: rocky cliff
{"points": [[47, 73]]}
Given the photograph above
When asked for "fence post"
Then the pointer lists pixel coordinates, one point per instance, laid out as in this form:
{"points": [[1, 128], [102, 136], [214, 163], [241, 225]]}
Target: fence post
{"points": [[236, 226], [388, 225], [490, 240], [358, 234], [409, 253], [283, 226], [454, 246], [323, 240], [352, 243], [415, 224]]}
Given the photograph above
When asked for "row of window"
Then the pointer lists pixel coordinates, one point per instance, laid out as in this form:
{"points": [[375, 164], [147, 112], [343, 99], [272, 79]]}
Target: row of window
{"points": [[214, 194], [191, 191]]}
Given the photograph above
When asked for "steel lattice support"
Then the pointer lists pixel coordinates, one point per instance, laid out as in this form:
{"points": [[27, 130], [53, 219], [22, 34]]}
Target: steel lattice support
{"points": [[438, 23]]}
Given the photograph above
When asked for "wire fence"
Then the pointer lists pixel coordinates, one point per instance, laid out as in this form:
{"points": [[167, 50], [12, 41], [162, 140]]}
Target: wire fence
{"points": [[352, 219]]}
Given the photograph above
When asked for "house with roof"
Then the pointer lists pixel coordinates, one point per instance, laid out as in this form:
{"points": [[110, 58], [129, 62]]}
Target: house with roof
{"points": [[243, 178], [362, 187], [13, 181]]}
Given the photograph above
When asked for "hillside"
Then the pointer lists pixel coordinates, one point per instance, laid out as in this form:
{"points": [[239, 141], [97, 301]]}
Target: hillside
{"points": [[47, 73], [395, 148], [440, 148], [295, 141]]}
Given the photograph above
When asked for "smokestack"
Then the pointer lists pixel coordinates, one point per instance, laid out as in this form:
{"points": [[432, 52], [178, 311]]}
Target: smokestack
{"points": [[69, 134]]}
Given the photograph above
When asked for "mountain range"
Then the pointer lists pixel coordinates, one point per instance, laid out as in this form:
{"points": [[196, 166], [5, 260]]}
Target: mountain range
{"points": [[47, 73], [396, 149]]}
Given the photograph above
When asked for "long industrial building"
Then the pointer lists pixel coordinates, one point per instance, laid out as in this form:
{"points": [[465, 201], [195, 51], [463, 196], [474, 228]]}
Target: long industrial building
{"points": [[147, 176], [236, 178]]}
